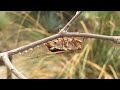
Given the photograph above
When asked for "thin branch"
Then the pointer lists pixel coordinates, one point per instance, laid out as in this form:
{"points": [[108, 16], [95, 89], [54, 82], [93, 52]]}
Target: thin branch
{"points": [[5, 59], [69, 24], [62, 33], [5, 56], [32, 45], [63, 30], [115, 39]]}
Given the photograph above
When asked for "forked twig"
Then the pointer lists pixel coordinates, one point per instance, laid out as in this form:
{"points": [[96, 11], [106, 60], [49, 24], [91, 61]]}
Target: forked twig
{"points": [[62, 33], [5, 59], [5, 56]]}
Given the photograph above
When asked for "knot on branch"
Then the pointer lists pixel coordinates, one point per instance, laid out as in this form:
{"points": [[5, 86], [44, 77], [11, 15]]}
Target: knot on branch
{"points": [[62, 32], [2, 55]]}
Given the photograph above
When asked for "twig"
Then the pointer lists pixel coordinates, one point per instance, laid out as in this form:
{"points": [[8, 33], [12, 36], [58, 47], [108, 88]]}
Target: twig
{"points": [[69, 24], [5, 59], [115, 39], [62, 33], [5, 56], [32, 45]]}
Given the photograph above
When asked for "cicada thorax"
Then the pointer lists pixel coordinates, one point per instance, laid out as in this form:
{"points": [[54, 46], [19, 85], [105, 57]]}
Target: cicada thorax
{"points": [[65, 44]]}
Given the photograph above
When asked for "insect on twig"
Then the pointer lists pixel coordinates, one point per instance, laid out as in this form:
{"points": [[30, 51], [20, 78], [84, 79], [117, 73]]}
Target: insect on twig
{"points": [[65, 44]]}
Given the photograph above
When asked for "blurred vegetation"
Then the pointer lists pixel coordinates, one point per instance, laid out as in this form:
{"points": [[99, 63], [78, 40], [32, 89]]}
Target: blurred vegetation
{"points": [[98, 59]]}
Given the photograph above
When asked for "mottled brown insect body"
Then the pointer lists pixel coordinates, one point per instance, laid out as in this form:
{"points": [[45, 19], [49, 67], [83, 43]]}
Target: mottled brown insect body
{"points": [[64, 44]]}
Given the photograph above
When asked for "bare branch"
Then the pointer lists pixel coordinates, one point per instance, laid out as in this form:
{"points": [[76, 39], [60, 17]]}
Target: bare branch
{"points": [[69, 24], [5, 56], [62, 33], [89, 35], [115, 39], [32, 45], [5, 59]]}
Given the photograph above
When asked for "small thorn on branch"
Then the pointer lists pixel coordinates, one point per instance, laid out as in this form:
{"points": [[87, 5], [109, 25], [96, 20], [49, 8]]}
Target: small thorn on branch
{"points": [[61, 32]]}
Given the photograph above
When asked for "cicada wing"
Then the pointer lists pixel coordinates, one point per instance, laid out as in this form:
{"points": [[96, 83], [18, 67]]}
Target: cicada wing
{"points": [[37, 61]]}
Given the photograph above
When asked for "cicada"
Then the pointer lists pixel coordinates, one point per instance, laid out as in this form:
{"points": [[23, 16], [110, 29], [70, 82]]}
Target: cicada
{"points": [[65, 44]]}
